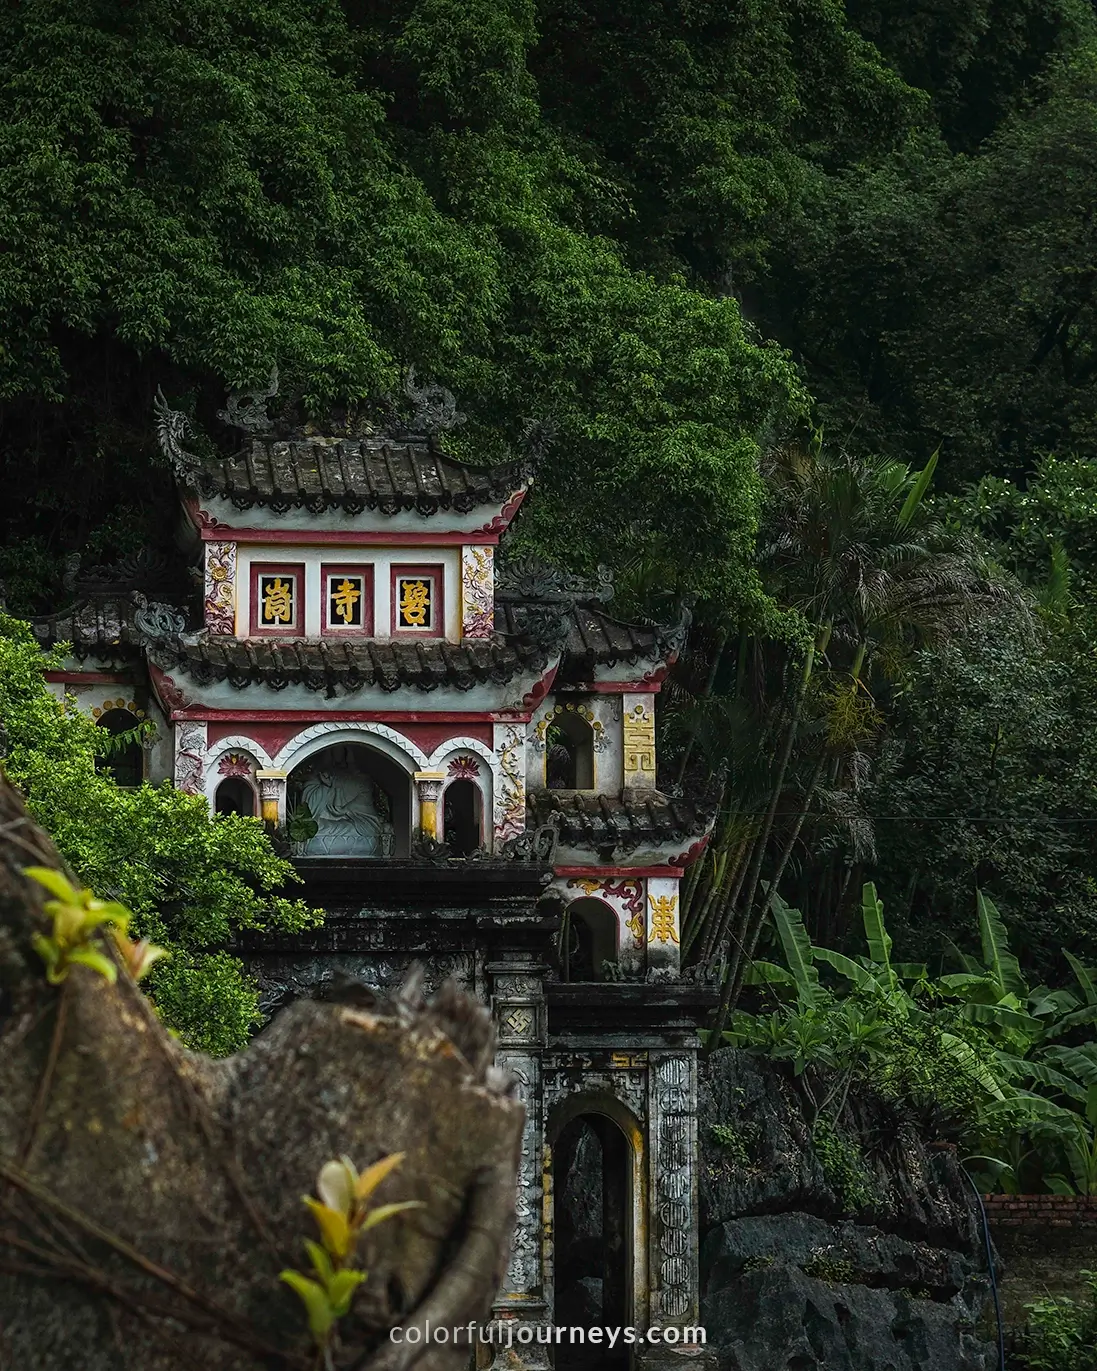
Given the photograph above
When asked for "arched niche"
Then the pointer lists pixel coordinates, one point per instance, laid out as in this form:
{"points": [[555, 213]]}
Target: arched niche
{"points": [[235, 796], [589, 938], [462, 817], [569, 753], [599, 1262], [126, 763], [360, 799]]}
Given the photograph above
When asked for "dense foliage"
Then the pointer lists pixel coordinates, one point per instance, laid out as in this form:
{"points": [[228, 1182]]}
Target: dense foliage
{"points": [[975, 1054], [190, 883]]}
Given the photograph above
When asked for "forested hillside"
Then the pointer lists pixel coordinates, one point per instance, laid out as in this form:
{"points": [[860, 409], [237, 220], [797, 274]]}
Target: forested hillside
{"points": [[755, 264]]}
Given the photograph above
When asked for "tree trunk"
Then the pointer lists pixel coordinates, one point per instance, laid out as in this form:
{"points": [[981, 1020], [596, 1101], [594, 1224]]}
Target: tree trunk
{"points": [[149, 1196]]}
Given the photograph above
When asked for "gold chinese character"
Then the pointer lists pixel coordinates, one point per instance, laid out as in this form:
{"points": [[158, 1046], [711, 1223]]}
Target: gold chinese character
{"points": [[278, 601], [662, 918], [639, 742], [345, 596], [415, 603]]}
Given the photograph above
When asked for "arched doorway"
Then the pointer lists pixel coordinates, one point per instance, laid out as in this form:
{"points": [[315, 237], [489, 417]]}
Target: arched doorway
{"points": [[234, 796], [569, 755], [597, 1227], [461, 817], [359, 798], [588, 940], [125, 760]]}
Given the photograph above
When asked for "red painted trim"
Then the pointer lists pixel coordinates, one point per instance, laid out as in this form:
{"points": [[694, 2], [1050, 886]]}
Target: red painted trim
{"points": [[286, 569], [660, 672], [693, 852], [345, 716], [168, 693], [541, 688], [644, 687], [506, 514], [363, 569], [631, 871], [433, 571], [89, 678]]}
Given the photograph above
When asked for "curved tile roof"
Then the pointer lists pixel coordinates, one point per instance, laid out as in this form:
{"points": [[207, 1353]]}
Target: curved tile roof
{"points": [[348, 666], [586, 819], [595, 638], [354, 474]]}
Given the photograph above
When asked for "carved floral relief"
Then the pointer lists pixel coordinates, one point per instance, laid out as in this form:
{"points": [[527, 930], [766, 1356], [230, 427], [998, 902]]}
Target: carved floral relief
{"points": [[221, 587], [477, 591]]}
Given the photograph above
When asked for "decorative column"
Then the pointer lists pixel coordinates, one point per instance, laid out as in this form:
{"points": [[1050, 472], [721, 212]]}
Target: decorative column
{"points": [[672, 1184], [509, 818], [477, 591], [220, 595], [429, 785], [638, 733], [664, 947], [518, 1006], [272, 796]]}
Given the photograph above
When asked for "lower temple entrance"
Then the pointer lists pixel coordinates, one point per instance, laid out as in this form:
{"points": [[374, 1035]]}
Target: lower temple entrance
{"points": [[592, 1231]]}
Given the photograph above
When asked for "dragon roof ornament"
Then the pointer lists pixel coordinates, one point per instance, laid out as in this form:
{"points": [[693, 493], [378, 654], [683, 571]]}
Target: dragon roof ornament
{"points": [[247, 409], [434, 408], [172, 426], [526, 577]]}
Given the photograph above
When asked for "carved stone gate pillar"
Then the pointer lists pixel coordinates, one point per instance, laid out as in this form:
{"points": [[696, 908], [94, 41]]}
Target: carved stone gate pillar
{"points": [[518, 1005], [672, 1180]]}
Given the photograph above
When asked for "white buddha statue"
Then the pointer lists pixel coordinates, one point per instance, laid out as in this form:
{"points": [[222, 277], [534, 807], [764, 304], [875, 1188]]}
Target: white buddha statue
{"points": [[343, 800]]}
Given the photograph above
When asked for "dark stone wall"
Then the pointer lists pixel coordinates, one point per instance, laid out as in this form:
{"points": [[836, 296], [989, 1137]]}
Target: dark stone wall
{"points": [[860, 1251]]}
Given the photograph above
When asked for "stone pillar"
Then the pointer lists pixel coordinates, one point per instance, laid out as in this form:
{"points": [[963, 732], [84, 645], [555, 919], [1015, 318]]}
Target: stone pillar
{"points": [[672, 1184], [518, 1007], [272, 796], [638, 735], [664, 932], [429, 785]]}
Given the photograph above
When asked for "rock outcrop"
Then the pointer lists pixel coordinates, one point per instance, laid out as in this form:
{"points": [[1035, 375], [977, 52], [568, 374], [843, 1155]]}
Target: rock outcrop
{"points": [[853, 1249]]}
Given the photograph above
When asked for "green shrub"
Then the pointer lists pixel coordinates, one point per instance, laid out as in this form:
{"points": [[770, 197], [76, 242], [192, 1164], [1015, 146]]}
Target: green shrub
{"points": [[1061, 1334]]}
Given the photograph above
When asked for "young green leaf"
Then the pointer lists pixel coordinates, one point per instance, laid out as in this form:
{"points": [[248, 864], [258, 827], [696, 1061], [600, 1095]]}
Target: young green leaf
{"points": [[318, 1308]]}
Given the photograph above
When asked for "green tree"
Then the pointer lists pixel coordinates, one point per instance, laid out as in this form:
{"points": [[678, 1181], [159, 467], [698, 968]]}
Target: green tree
{"points": [[190, 882]]}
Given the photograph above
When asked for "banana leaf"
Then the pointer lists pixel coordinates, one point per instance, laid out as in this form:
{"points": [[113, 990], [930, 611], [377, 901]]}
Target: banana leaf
{"points": [[999, 961], [1083, 977], [879, 940], [797, 949]]}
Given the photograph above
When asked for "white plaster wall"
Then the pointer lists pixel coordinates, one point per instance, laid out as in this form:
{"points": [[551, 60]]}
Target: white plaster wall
{"points": [[487, 697], [658, 854], [382, 559]]}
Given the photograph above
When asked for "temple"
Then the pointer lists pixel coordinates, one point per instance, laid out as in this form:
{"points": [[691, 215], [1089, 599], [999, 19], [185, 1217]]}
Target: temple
{"points": [[458, 752]]}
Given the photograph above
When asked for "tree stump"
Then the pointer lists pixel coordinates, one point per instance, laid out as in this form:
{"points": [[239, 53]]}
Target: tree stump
{"points": [[149, 1196]]}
